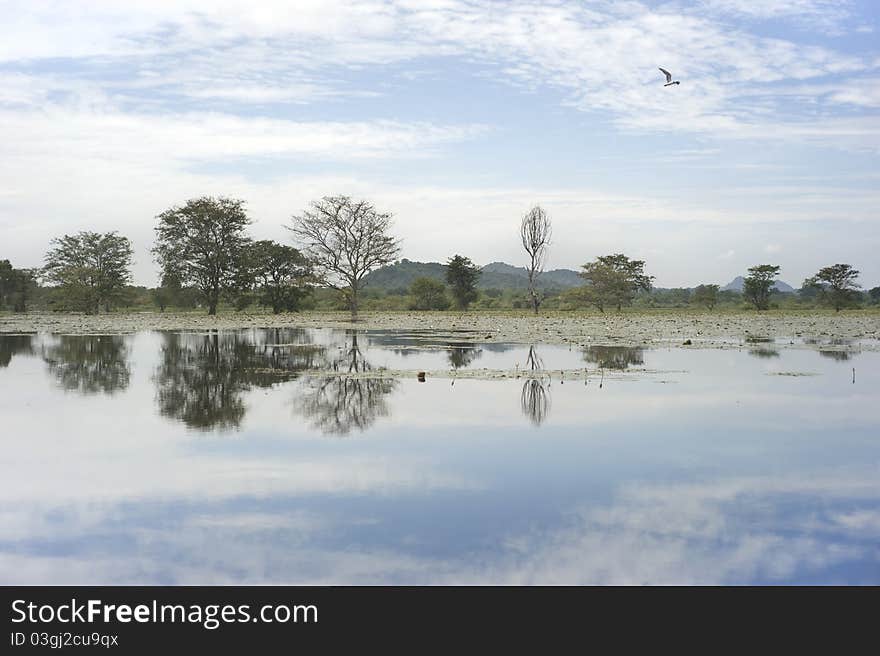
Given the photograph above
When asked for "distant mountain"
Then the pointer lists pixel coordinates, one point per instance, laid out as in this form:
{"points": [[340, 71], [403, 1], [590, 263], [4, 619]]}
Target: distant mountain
{"points": [[561, 278], [736, 285], [497, 275]]}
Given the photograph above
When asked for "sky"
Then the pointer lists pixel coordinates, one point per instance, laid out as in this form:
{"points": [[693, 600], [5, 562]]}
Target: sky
{"points": [[457, 116]]}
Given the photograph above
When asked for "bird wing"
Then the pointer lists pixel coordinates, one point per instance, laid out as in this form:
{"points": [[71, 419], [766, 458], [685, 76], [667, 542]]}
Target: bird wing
{"points": [[667, 74]]}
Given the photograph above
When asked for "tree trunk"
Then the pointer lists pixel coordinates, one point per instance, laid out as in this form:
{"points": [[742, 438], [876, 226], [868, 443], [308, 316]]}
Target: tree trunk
{"points": [[354, 301]]}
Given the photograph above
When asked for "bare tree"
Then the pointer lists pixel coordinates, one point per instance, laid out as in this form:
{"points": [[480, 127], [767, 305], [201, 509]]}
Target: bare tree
{"points": [[535, 231], [345, 239]]}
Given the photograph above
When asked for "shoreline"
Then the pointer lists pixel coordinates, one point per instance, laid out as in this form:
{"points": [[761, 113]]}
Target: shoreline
{"points": [[826, 330]]}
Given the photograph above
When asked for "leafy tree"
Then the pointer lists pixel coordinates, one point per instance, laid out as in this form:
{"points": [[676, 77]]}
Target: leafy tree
{"points": [[203, 244], [706, 295], [535, 232], [613, 280], [169, 292], [90, 269], [345, 239], [282, 275], [16, 286], [462, 276], [759, 282], [837, 284], [874, 294], [428, 294]]}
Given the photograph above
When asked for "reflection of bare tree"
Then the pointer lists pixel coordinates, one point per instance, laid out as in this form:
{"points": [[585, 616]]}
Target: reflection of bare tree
{"points": [[614, 357], [338, 404], [13, 345], [535, 397], [89, 364], [202, 378], [461, 354]]}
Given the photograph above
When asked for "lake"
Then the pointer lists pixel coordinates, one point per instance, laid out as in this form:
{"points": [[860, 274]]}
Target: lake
{"points": [[312, 456]]}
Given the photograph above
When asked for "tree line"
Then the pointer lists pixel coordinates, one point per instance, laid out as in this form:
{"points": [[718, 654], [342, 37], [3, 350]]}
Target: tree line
{"points": [[206, 256]]}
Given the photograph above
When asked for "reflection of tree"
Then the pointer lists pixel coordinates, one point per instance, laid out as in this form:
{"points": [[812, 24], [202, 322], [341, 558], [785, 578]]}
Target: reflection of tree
{"points": [[13, 345], [614, 357], [461, 354], [202, 378], [535, 398], [764, 353], [840, 356], [337, 404], [89, 364]]}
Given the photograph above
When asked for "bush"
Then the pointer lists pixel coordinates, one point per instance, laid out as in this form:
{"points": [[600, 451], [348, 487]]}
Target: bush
{"points": [[428, 294]]}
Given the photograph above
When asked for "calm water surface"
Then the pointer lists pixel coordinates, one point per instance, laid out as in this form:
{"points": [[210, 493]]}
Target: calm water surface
{"points": [[234, 457]]}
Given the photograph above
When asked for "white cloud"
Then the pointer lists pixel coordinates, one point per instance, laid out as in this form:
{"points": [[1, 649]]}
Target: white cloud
{"points": [[239, 51]]}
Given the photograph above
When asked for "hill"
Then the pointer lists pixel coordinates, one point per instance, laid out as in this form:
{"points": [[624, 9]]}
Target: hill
{"points": [[736, 285], [497, 275]]}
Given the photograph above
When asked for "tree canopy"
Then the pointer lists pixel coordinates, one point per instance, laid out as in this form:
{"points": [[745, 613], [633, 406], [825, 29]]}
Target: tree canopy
{"points": [[462, 276], [345, 239], [706, 295], [90, 269], [203, 243], [836, 284], [613, 280], [16, 286], [428, 294], [282, 275], [759, 283]]}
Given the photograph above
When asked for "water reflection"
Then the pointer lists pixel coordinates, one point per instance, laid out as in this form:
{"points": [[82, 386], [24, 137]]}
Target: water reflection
{"points": [[764, 353], [336, 405], [840, 356], [535, 395], [614, 357], [726, 476], [89, 364], [201, 378], [14, 345], [462, 354]]}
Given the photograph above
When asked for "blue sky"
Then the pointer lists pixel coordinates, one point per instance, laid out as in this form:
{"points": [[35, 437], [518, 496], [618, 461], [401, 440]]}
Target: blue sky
{"points": [[457, 117]]}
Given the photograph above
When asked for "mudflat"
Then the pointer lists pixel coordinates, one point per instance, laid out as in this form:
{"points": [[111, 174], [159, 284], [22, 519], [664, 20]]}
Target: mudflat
{"points": [[857, 329]]}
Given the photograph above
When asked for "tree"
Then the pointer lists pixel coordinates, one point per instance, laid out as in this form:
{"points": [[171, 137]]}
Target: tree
{"points": [[535, 231], [345, 239], [837, 284], [90, 269], [168, 292], [16, 286], [428, 294], [203, 244], [759, 282], [462, 276], [706, 295], [613, 280], [874, 294], [282, 275]]}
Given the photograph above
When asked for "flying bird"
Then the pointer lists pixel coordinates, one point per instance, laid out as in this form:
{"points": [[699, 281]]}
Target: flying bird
{"points": [[668, 75]]}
